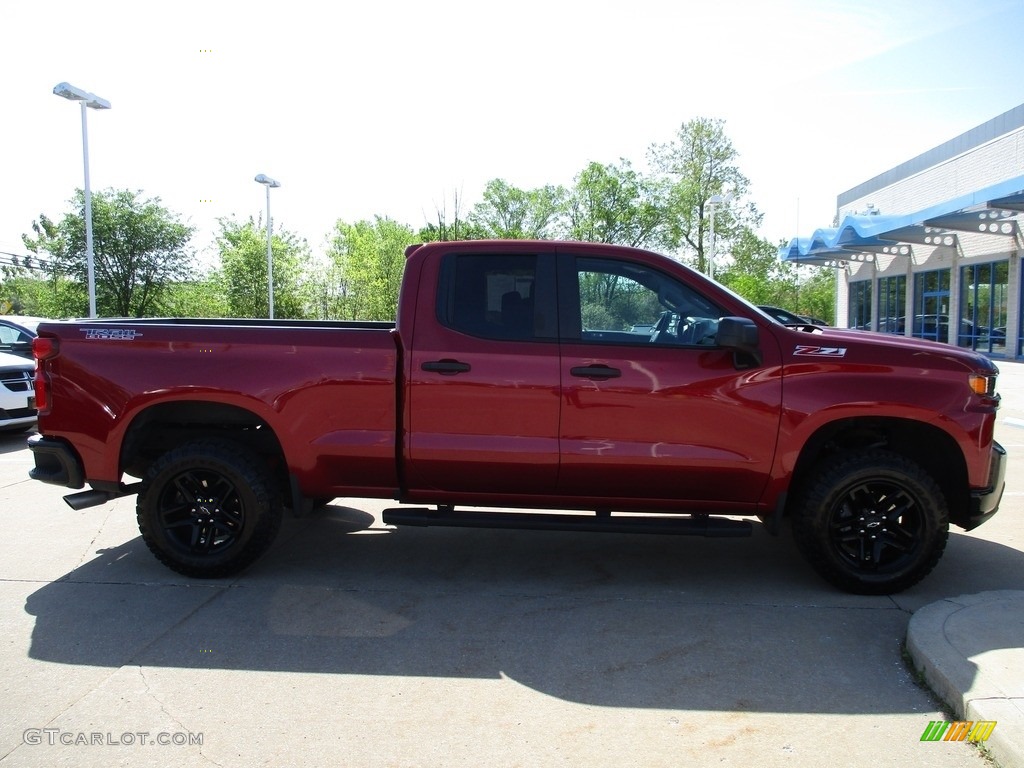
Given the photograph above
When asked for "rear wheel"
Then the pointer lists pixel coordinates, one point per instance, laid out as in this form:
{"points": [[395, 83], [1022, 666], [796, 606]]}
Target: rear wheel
{"points": [[208, 508], [871, 522]]}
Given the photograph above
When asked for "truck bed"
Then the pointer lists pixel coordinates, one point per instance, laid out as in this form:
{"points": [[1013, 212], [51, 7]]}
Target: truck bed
{"points": [[326, 389]]}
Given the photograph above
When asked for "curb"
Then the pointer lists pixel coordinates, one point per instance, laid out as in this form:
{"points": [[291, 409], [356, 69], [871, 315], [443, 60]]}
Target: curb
{"points": [[970, 650]]}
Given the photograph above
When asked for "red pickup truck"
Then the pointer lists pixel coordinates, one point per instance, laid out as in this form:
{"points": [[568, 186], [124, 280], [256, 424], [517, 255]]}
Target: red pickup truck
{"points": [[616, 385]]}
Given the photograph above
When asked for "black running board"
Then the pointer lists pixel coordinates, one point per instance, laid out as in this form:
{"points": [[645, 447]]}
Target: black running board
{"points": [[693, 525]]}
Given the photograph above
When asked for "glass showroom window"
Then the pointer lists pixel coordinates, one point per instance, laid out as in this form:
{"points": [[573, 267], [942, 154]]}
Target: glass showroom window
{"points": [[931, 305], [984, 297], [892, 304], [860, 305]]}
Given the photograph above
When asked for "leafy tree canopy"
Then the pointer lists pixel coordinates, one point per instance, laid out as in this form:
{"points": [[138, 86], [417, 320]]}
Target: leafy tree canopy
{"points": [[243, 269], [616, 204], [699, 163], [369, 258], [144, 264], [140, 248], [507, 212]]}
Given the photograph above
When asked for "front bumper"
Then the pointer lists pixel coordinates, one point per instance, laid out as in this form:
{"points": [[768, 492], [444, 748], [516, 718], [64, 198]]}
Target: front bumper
{"points": [[985, 502]]}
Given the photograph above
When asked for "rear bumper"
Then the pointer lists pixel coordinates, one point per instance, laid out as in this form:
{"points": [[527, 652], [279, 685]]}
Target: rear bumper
{"points": [[56, 462], [985, 502]]}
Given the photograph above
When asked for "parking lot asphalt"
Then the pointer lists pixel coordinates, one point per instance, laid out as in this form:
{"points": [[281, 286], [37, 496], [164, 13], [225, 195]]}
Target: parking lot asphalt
{"points": [[351, 643]]}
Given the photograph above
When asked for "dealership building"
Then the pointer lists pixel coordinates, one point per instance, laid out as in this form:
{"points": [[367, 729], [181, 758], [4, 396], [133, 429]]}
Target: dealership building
{"points": [[931, 248]]}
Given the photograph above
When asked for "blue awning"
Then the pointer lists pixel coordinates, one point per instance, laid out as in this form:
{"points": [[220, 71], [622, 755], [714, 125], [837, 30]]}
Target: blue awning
{"points": [[990, 211]]}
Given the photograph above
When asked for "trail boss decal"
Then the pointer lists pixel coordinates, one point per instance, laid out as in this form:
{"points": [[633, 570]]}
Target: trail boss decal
{"points": [[112, 334], [812, 351]]}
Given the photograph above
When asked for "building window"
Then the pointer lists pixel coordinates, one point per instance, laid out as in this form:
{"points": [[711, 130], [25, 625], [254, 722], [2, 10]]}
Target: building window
{"points": [[1020, 314], [984, 290], [931, 305], [892, 304], [860, 305]]}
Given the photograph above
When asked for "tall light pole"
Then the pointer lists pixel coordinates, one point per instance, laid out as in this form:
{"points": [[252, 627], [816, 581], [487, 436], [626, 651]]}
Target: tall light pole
{"points": [[269, 183], [713, 202], [85, 99]]}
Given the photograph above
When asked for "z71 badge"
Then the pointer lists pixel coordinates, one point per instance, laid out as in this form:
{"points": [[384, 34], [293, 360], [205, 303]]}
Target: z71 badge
{"points": [[812, 351]]}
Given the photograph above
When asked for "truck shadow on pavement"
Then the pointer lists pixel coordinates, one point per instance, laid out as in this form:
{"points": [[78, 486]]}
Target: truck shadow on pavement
{"points": [[602, 619]]}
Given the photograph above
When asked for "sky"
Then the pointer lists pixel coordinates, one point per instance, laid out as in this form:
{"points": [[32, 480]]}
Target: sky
{"points": [[393, 108]]}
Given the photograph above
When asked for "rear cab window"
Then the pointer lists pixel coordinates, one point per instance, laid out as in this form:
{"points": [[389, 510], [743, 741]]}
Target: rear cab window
{"points": [[509, 297]]}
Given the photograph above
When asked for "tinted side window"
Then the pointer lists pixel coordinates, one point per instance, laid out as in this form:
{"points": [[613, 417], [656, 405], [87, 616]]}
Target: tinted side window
{"points": [[498, 297], [633, 304]]}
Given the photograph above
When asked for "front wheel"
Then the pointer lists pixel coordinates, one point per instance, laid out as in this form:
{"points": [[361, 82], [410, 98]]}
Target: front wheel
{"points": [[208, 508], [872, 522]]}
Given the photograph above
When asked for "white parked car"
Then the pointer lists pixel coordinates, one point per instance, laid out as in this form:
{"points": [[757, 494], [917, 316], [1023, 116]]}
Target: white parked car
{"points": [[17, 395], [17, 332]]}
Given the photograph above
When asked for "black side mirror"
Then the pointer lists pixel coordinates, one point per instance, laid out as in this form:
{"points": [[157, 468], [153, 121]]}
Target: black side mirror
{"points": [[741, 336]]}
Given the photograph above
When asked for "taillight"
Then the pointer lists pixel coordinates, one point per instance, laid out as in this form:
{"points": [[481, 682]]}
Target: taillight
{"points": [[43, 348]]}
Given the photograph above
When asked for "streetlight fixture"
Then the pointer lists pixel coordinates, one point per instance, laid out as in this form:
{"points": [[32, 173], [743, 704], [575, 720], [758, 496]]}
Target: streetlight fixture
{"points": [[92, 101], [269, 183], [713, 202]]}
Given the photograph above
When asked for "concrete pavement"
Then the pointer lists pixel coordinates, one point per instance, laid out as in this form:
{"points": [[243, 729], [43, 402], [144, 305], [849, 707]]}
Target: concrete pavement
{"points": [[354, 644]]}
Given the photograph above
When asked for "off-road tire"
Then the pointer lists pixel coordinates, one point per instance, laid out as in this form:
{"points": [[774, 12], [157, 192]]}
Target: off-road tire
{"points": [[872, 522], [208, 508]]}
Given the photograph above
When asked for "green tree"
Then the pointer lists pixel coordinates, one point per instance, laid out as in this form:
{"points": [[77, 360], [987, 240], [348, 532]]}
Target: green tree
{"points": [[507, 212], [243, 269], [40, 296], [817, 296], [754, 270], [18, 287], [453, 226], [616, 204], [697, 164], [140, 249], [58, 294], [370, 257], [200, 297], [324, 289]]}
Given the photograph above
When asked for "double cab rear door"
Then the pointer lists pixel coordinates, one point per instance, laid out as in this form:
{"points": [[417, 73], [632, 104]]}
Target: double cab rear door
{"points": [[581, 373]]}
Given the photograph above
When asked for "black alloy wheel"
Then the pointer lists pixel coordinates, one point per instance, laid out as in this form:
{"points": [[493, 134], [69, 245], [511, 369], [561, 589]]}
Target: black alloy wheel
{"points": [[871, 521], [208, 508]]}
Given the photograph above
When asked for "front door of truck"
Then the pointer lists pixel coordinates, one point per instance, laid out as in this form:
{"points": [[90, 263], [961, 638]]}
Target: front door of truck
{"points": [[652, 409], [482, 407]]}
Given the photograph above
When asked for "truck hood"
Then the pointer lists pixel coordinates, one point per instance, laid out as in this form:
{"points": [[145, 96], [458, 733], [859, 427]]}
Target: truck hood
{"points": [[872, 348]]}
